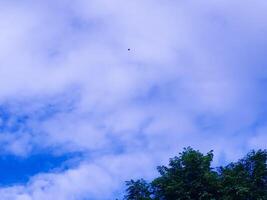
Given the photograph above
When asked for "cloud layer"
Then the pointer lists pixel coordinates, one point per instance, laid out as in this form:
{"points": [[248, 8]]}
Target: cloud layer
{"points": [[195, 75]]}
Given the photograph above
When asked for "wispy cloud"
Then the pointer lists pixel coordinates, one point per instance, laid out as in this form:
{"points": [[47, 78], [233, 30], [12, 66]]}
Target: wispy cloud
{"points": [[195, 75]]}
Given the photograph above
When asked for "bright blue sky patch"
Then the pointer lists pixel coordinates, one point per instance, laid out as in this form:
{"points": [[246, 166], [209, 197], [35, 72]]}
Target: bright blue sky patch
{"points": [[18, 170]]}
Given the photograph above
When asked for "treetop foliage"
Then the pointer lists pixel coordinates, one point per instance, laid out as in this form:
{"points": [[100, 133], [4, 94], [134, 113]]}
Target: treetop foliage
{"points": [[189, 176]]}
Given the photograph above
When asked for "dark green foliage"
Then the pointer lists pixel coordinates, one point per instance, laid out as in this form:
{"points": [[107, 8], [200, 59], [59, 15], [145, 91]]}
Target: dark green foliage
{"points": [[137, 190], [190, 176], [246, 179]]}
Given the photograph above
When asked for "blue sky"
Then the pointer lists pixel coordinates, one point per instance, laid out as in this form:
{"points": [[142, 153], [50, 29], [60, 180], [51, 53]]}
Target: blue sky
{"points": [[80, 114]]}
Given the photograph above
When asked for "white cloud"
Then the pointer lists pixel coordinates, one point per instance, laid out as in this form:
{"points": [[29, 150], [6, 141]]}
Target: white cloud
{"points": [[95, 181], [188, 60], [258, 139]]}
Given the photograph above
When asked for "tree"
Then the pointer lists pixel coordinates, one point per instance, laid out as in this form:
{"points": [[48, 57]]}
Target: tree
{"points": [[190, 176], [137, 190], [246, 179]]}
